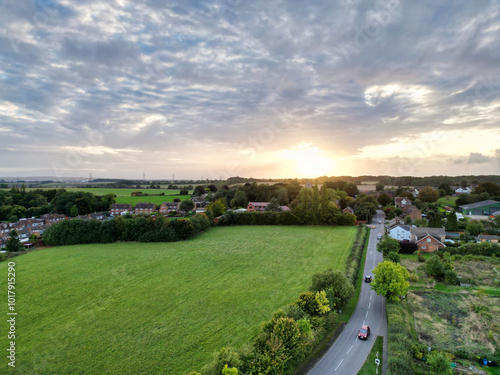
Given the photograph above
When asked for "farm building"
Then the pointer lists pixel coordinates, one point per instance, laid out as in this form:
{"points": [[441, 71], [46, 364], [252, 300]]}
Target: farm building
{"points": [[487, 207]]}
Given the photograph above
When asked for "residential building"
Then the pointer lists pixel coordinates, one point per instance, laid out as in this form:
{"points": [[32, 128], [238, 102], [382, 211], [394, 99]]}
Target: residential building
{"points": [[399, 202], [256, 206], [348, 210], [487, 238], [120, 209], [400, 232], [413, 212], [487, 207], [145, 208], [461, 190], [169, 207], [429, 243], [419, 232]]}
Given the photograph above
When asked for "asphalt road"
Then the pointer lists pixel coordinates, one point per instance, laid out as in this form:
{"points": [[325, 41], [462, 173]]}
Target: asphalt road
{"points": [[347, 355]]}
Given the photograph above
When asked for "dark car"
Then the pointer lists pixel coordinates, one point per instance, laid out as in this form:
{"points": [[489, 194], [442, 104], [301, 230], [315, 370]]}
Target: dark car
{"points": [[368, 279], [364, 332]]}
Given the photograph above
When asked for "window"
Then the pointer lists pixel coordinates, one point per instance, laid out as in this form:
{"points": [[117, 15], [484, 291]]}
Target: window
{"points": [[428, 240], [423, 247]]}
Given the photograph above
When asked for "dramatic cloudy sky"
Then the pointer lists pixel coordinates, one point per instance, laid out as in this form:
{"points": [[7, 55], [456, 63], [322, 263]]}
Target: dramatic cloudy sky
{"points": [[250, 88]]}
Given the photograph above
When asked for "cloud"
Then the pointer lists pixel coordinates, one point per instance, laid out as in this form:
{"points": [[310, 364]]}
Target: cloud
{"points": [[212, 77]]}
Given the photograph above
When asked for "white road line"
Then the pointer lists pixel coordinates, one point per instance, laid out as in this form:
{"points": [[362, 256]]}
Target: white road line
{"points": [[369, 304], [366, 314], [339, 364], [350, 349]]}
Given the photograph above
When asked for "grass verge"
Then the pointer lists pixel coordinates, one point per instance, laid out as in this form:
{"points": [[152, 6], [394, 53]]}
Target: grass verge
{"points": [[369, 367]]}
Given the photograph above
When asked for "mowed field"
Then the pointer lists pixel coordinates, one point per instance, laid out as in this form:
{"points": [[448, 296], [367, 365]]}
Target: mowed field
{"points": [[158, 200], [118, 192], [160, 308]]}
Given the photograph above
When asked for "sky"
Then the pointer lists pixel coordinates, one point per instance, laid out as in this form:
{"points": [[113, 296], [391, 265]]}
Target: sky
{"points": [[269, 89]]}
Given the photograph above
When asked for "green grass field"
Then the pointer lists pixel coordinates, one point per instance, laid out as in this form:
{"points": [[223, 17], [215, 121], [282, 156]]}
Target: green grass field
{"points": [[447, 201], [160, 308], [118, 192]]}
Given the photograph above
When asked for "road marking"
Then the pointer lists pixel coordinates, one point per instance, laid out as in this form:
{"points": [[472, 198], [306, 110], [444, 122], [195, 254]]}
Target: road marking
{"points": [[363, 322], [350, 349], [339, 364], [369, 303], [366, 314], [370, 296]]}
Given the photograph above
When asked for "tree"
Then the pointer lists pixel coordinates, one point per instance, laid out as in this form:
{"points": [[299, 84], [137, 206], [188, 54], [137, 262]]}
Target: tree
{"points": [[186, 205], [487, 187], [384, 199], [336, 285], [434, 267], [282, 195], [474, 228], [239, 200], [229, 371], [184, 192], [390, 280], [379, 187], [273, 206], [217, 207], [199, 190], [451, 222], [351, 189], [435, 220], [13, 243], [388, 245], [74, 211], [447, 189], [439, 363], [428, 194], [313, 304]]}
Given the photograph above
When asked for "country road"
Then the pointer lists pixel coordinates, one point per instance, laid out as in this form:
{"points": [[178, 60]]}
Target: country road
{"points": [[347, 355]]}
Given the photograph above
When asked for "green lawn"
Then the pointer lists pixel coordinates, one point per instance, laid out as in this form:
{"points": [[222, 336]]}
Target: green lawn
{"points": [[447, 201], [369, 367], [160, 308]]}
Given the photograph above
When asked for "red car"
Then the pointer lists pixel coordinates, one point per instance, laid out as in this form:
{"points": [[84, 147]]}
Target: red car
{"points": [[364, 332]]}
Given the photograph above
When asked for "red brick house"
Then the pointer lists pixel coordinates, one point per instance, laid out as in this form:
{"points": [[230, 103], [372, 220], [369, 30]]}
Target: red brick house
{"points": [[429, 244], [145, 208], [256, 206], [168, 207], [119, 209], [413, 212], [348, 210], [399, 202]]}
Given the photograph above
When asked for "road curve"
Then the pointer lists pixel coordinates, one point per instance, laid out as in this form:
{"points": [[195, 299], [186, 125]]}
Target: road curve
{"points": [[347, 354]]}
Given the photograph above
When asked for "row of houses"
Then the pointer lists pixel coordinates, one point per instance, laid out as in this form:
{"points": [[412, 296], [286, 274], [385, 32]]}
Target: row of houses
{"points": [[149, 208], [261, 207]]}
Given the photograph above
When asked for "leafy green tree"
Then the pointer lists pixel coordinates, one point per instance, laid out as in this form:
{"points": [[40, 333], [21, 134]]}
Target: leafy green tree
{"points": [[428, 194], [323, 303], [351, 189], [273, 206], [379, 187], [282, 196], [384, 199], [393, 257], [239, 200], [388, 245], [217, 207], [13, 244], [435, 219], [186, 205], [226, 357], [474, 228], [434, 267], [488, 187], [184, 192], [315, 201], [336, 285], [390, 280], [74, 211], [451, 222], [447, 189], [439, 363], [229, 371], [313, 304]]}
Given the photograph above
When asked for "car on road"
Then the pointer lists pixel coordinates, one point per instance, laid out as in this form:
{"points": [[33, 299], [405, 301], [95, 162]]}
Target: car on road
{"points": [[364, 332], [379, 236], [368, 279], [373, 226], [380, 221]]}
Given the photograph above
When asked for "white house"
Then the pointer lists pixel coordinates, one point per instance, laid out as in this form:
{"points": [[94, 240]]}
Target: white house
{"points": [[463, 191], [400, 232]]}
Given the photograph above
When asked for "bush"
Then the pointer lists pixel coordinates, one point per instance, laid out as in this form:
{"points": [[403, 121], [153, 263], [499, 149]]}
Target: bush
{"points": [[450, 277], [225, 356], [434, 267], [393, 257]]}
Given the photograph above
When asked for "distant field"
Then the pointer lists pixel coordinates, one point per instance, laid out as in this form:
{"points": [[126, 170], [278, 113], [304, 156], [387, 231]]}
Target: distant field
{"points": [[160, 308], [158, 200], [118, 192]]}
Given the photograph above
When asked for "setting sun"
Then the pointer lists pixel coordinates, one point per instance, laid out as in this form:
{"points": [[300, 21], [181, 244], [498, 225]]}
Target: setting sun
{"points": [[308, 161]]}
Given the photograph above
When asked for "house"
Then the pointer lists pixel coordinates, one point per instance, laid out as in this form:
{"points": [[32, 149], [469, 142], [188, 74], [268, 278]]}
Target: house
{"points": [[97, 216], [399, 202], [413, 212], [487, 238], [169, 207], [419, 232], [145, 208], [120, 209], [39, 230], [199, 202], [461, 190], [348, 210], [395, 221], [52, 218], [429, 243], [487, 207], [400, 232], [256, 206]]}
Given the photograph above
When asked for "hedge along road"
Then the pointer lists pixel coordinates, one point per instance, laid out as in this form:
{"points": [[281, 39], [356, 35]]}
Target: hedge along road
{"points": [[348, 353]]}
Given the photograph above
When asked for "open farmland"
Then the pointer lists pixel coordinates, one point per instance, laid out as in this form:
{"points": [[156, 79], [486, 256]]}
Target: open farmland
{"points": [[135, 308], [158, 199]]}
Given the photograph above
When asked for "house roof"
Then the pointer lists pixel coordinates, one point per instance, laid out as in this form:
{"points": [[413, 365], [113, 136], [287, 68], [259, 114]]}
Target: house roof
{"points": [[419, 232], [145, 206], [121, 206], [433, 237], [405, 227], [487, 237], [479, 204], [264, 204]]}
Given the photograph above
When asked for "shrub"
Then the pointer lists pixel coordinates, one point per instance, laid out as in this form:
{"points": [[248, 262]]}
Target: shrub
{"points": [[450, 277], [393, 257], [434, 267]]}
